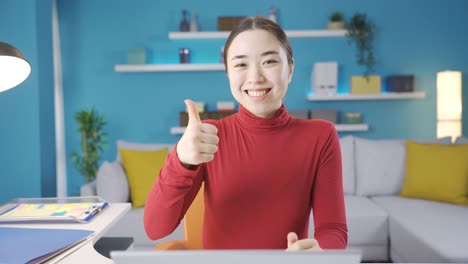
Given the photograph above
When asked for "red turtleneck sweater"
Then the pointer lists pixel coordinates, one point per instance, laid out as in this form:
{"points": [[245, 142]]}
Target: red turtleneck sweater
{"points": [[262, 184]]}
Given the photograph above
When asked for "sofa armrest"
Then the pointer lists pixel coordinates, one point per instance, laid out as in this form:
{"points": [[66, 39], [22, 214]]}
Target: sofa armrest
{"points": [[172, 245], [88, 189]]}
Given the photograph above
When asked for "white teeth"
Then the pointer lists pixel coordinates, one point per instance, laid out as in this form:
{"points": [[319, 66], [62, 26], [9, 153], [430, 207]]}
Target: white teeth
{"points": [[256, 93]]}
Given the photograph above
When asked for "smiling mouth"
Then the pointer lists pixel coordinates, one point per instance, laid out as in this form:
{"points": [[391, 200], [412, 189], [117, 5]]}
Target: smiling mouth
{"points": [[257, 93]]}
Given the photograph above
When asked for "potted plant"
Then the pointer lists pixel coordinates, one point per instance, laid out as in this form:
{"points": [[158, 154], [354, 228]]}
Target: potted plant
{"points": [[93, 141], [336, 21], [360, 32]]}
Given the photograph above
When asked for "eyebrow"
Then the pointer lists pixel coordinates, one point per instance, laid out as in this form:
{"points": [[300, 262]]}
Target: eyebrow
{"points": [[263, 54]]}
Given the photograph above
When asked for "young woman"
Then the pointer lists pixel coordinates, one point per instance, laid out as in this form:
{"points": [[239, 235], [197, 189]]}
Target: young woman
{"points": [[264, 171]]}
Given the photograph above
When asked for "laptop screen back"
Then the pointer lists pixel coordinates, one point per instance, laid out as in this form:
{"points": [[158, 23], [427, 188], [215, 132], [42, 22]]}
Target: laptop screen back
{"points": [[236, 257]]}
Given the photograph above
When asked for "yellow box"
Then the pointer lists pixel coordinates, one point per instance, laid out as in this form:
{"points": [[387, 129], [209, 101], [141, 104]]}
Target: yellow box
{"points": [[366, 84]]}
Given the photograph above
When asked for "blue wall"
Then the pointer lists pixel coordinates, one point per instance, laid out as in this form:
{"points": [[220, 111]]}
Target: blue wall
{"points": [[27, 159], [417, 37]]}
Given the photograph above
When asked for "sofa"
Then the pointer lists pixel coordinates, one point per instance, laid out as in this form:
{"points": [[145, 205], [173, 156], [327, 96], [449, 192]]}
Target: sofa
{"points": [[383, 225]]}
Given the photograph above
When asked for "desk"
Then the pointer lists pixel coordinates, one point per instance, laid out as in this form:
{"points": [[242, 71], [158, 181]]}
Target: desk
{"points": [[85, 252]]}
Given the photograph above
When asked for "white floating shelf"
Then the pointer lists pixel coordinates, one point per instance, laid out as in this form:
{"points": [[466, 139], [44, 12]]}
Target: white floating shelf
{"points": [[199, 35], [381, 96], [351, 127], [168, 67], [177, 130], [321, 33], [339, 127]]}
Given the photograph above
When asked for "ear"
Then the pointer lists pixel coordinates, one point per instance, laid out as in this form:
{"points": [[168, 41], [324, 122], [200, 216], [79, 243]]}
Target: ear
{"points": [[291, 72]]}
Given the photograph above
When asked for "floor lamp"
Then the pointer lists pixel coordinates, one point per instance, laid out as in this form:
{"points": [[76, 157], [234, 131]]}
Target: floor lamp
{"points": [[14, 69], [449, 104]]}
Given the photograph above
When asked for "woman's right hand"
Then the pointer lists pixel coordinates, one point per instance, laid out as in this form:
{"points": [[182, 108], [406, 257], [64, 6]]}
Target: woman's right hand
{"points": [[199, 141]]}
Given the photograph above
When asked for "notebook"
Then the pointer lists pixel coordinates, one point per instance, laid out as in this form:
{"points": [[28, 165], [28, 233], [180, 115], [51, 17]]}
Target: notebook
{"points": [[36, 245], [46, 210], [236, 256]]}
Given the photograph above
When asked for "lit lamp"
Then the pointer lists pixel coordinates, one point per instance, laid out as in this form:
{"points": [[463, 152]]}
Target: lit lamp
{"points": [[449, 104], [14, 69]]}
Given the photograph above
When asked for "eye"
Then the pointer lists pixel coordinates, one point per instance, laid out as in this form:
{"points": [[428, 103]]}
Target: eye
{"points": [[240, 65], [270, 61]]}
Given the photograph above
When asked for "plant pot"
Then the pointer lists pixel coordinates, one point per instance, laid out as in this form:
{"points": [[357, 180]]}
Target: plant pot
{"points": [[335, 25], [370, 84]]}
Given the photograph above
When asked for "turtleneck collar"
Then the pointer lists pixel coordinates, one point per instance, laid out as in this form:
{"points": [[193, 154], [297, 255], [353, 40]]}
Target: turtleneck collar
{"points": [[254, 123]]}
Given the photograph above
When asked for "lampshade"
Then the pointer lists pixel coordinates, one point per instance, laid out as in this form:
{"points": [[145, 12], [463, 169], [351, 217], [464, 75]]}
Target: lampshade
{"points": [[449, 103], [14, 69]]}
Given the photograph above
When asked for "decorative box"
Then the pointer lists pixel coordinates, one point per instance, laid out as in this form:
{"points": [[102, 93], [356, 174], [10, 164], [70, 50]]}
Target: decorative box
{"points": [[327, 114], [219, 115], [136, 56], [302, 114], [228, 106], [400, 83], [183, 116], [229, 23], [365, 84], [325, 78], [352, 118]]}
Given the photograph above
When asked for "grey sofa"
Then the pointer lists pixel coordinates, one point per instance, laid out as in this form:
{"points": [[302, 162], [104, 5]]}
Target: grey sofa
{"points": [[381, 224]]}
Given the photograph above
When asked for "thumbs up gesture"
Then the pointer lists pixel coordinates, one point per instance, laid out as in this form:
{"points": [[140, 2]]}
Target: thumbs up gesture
{"points": [[198, 144]]}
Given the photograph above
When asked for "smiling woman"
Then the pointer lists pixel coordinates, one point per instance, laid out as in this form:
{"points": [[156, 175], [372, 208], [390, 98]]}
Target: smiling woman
{"points": [[264, 171]]}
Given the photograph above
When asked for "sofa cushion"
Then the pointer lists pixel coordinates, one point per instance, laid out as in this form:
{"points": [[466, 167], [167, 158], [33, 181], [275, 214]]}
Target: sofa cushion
{"points": [[142, 168], [347, 157], [436, 172], [111, 183], [379, 166], [426, 231], [122, 144], [367, 223]]}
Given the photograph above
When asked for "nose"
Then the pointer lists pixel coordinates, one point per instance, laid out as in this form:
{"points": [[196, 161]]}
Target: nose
{"points": [[255, 75]]}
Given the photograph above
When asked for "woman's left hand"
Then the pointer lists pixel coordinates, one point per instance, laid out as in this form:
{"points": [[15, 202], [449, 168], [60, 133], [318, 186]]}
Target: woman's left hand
{"points": [[307, 244]]}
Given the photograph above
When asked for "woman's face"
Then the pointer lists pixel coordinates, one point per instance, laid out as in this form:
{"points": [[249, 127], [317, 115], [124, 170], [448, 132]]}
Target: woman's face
{"points": [[258, 72]]}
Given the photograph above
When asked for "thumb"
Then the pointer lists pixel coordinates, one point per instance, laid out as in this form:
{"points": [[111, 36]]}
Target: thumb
{"points": [[193, 116], [292, 238]]}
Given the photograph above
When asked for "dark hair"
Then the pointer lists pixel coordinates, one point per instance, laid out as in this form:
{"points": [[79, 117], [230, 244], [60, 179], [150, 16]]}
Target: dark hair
{"points": [[259, 22]]}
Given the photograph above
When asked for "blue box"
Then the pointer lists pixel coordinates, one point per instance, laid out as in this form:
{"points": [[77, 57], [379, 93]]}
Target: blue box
{"points": [[136, 56]]}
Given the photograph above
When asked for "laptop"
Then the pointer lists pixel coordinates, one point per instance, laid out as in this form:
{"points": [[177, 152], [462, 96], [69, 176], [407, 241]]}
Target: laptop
{"points": [[236, 257]]}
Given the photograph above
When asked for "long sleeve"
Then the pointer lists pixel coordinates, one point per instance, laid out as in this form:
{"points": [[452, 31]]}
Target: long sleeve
{"points": [[293, 164], [170, 196], [327, 197]]}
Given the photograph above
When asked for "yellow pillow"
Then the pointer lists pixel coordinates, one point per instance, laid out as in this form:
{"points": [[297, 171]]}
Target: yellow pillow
{"points": [[436, 172], [142, 168]]}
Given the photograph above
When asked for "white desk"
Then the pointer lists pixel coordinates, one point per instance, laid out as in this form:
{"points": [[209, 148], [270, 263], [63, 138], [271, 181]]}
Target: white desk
{"points": [[85, 252]]}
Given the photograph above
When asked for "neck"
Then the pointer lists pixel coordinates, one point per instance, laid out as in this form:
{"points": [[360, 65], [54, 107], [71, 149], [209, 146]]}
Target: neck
{"points": [[255, 123]]}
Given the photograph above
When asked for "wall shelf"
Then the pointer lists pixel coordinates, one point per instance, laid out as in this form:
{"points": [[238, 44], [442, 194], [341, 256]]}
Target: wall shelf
{"points": [[321, 33], [168, 67], [351, 127], [339, 128], [381, 96]]}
